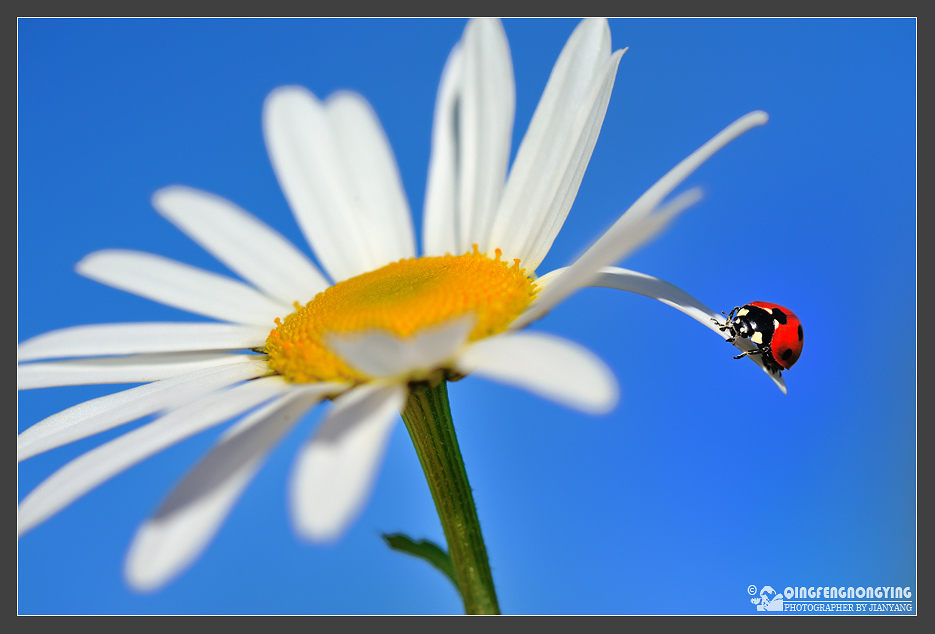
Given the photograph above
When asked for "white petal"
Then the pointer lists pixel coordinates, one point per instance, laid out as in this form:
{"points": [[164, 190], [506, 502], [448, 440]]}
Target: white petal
{"points": [[182, 286], [245, 244], [107, 412], [338, 173], [134, 369], [192, 514], [642, 284], [626, 280], [439, 220], [624, 237], [142, 337], [546, 365], [112, 458], [381, 355], [379, 202], [482, 125], [645, 204], [555, 151], [335, 470], [638, 224]]}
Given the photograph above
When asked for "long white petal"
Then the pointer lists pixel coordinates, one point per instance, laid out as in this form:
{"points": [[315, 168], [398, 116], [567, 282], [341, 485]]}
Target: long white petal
{"points": [[665, 185], [484, 129], [102, 463], [191, 515], [546, 365], [439, 220], [142, 337], [337, 171], [304, 155], [107, 412], [624, 237], [142, 368], [182, 286], [335, 470], [626, 280], [245, 244], [381, 355], [638, 224], [379, 203], [555, 151]]}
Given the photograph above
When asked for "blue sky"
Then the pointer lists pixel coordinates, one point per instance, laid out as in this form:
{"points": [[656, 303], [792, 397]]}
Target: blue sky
{"points": [[703, 481]]}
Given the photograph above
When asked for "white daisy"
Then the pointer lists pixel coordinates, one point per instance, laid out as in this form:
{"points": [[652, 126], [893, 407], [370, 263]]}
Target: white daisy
{"points": [[375, 319]]}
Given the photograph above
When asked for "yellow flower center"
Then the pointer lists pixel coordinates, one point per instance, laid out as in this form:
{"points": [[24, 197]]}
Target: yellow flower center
{"points": [[401, 298]]}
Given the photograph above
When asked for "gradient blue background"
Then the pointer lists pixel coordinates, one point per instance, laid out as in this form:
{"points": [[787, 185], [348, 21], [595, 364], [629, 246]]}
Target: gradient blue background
{"points": [[703, 481]]}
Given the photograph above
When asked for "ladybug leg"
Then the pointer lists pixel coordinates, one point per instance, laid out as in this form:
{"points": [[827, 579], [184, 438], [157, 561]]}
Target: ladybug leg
{"points": [[762, 350], [728, 325], [768, 361]]}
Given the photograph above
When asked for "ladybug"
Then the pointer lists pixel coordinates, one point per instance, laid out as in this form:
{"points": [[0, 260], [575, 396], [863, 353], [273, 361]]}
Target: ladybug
{"points": [[776, 331]]}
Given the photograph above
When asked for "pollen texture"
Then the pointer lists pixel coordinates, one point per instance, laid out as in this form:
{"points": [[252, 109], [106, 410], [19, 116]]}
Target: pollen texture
{"points": [[401, 298]]}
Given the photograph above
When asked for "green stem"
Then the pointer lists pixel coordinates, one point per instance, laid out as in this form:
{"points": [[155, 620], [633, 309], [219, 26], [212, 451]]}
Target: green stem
{"points": [[428, 418]]}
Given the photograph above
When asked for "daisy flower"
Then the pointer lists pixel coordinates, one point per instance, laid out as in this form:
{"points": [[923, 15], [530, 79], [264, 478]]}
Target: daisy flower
{"points": [[376, 321]]}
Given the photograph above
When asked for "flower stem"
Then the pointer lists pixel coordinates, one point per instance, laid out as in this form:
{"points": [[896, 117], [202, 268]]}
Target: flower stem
{"points": [[428, 418]]}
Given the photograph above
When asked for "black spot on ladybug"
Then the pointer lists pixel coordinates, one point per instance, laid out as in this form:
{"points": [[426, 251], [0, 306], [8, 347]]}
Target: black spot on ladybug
{"points": [[779, 316], [801, 336], [786, 354]]}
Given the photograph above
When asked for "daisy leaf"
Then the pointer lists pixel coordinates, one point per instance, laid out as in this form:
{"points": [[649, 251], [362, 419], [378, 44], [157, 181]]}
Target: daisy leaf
{"points": [[423, 549]]}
